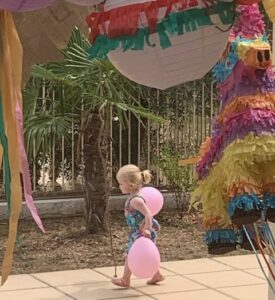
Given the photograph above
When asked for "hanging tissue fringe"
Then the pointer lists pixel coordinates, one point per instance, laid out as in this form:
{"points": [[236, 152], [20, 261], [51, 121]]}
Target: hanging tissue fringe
{"points": [[257, 121], [173, 24], [244, 202], [220, 236], [269, 201], [124, 20]]}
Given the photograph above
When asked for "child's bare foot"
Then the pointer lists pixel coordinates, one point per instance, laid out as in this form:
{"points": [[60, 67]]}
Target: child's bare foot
{"points": [[121, 282], [156, 279]]}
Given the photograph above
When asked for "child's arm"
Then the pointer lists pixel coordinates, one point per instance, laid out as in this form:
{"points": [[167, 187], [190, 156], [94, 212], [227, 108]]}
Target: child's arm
{"points": [[139, 204]]}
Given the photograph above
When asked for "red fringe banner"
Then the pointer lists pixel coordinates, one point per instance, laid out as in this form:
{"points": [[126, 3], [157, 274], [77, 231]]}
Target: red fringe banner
{"points": [[124, 20]]}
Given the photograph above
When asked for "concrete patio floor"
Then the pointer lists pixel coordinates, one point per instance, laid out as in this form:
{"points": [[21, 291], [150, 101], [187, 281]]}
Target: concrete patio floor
{"points": [[219, 278]]}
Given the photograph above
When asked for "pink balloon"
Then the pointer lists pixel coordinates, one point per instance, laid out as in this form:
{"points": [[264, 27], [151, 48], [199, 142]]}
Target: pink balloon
{"points": [[153, 199], [144, 258]]}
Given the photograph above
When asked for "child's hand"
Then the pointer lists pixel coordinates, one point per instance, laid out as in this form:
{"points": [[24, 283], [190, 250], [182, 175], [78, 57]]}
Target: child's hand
{"points": [[146, 233]]}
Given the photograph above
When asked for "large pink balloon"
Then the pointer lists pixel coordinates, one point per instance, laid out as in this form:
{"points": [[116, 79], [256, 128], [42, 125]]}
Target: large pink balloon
{"points": [[24, 5], [153, 199], [144, 258]]}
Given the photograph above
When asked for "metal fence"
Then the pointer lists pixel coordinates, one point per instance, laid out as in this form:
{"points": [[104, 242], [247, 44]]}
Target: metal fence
{"points": [[188, 110]]}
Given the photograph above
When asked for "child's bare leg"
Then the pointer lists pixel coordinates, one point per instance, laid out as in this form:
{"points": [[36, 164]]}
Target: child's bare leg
{"points": [[124, 281], [127, 273], [158, 277]]}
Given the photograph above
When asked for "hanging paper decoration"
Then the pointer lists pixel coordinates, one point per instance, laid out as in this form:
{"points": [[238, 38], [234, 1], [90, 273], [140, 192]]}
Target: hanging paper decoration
{"points": [[44, 32], [11, 134], [168, 51], [185, 60], [185, 47], [29, 5], [270, 9], [24, 5], [122, 18], [236, 167]]}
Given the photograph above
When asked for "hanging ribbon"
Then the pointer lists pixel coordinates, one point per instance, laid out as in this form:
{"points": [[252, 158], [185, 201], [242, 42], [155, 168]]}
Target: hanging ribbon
{"points": [[5, 154], [10, 47], [25, 169], [11, 55]]}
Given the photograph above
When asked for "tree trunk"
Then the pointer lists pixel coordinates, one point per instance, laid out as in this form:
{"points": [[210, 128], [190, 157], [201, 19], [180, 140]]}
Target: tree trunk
{"points": [[97, 183]]}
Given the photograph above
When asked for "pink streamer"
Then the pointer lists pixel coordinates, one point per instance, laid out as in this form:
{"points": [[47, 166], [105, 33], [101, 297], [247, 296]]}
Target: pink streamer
{"points": [[25, 170]]}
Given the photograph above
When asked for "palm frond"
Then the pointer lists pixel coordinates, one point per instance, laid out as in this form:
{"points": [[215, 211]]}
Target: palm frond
{"points": [[40, 128], [81, 82]]}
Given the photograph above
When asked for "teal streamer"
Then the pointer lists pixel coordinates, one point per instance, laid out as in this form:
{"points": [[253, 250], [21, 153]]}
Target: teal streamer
{"points": [[6, 163], [245, 202], [220, 236], [269, 201]]}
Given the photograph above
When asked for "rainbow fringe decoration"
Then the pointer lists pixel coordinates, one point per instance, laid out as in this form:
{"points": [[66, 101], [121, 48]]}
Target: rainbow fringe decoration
{"points": [[236, 167], [12, 150]]}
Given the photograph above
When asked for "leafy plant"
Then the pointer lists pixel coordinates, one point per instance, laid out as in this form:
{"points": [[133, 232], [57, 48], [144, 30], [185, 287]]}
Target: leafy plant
{"points": [[180, 179]]}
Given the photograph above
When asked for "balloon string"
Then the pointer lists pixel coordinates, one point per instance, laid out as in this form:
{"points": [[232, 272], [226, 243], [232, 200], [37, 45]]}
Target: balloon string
{"points": [[112, 246], [254, 250], [262, 252], [269, 235]]}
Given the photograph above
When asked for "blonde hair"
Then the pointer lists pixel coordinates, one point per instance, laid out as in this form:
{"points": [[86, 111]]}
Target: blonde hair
{"points": [[134, 176]]}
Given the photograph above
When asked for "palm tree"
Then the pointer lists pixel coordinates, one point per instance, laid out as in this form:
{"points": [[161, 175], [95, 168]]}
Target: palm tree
{"points": [[88, 89]]}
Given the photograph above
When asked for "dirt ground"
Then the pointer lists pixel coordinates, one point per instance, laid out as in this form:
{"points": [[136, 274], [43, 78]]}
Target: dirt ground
{"points": [[65, 246]]}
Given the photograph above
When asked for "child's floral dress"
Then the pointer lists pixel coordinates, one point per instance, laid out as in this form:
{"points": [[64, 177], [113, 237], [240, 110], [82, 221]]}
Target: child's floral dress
{"points": [[135, 221]]}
